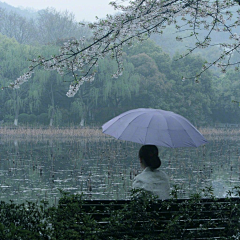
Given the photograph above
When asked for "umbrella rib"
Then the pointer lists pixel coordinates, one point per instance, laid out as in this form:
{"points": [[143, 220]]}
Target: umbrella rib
{"points": [[148, 127], [118, 117], [129, 124], [169, 133], [185, 129], [121, 115]]}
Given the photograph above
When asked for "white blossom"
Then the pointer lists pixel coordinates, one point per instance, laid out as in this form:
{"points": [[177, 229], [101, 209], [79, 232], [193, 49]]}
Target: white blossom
{"points": [[136, 21], [22, 79]]}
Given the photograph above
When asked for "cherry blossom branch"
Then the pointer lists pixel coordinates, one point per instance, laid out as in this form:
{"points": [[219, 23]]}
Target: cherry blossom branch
{"points": [[135, 23]]}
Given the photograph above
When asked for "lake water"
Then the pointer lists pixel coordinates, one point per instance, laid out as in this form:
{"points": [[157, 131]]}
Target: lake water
{"points": [[104, 169]]}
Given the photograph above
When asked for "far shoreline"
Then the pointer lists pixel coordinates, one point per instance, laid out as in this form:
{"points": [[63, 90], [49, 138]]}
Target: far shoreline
{"points": [[41, 133], [44, 133]]}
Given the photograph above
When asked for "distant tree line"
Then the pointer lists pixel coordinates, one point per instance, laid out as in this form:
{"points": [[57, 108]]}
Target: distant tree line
{"points": [[48, 27], [152, 78]]}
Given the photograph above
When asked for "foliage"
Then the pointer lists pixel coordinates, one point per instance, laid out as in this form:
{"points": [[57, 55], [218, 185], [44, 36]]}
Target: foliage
{"points": [[27, 118], [125, 221], [56, 27], [136, 21], [46, 26], [69, 220], [16, 26], [139, 219], [227, 97], [151, 79], [43, 118], [24, 221], [34, 98]]}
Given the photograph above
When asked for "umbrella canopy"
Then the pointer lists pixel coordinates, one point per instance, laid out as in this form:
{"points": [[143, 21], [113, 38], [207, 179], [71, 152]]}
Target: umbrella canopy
{"points": [[154, 126]]}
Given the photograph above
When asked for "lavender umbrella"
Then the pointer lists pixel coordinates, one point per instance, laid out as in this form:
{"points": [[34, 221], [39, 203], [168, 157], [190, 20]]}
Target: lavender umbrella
{"points": [[154, 126]]}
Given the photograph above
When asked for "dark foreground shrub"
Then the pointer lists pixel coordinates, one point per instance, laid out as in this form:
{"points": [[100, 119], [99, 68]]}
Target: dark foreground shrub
{"points": [[24, 221], [143, 217]]}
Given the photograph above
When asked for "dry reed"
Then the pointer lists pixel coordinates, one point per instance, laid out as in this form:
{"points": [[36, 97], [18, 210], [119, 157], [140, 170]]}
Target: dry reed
{"points": [[211, 133], [50, 133], [24, 133]]}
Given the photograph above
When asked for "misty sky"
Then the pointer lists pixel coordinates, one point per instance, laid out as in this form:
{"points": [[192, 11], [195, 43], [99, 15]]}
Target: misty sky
{"points": [[82, 9]]}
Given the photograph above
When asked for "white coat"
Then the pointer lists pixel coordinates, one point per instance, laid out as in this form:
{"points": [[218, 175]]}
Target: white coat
{"points": [[156, 182]]}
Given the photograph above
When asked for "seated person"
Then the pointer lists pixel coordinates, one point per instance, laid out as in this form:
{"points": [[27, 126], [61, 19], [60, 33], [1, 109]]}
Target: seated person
{"points": [[152, 179]]}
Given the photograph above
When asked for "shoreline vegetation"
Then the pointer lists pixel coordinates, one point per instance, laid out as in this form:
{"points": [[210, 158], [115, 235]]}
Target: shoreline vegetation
{"points": [[40, 134], [143, 217], [94, 133]]}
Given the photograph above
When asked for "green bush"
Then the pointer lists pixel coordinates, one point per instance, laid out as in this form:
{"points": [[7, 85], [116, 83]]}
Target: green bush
{"points": [[27, 118], [70, 220], [43, 119], [32, 118], [8, 118], [24, 221], [23, 118]]}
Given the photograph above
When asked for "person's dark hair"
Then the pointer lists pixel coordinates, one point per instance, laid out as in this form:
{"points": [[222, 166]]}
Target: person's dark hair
{"points": [[149, 155]]}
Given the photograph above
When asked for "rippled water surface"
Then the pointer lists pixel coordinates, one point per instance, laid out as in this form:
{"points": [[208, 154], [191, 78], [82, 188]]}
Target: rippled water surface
{"points": [[31, 170]]}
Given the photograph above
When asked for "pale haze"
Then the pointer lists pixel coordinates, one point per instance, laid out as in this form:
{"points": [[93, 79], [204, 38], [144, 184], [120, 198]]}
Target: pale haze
{"points": [[82, 9]]}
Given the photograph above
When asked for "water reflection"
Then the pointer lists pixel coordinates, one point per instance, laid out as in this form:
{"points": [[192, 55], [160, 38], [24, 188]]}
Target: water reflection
{"points": [[105, 169]]}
